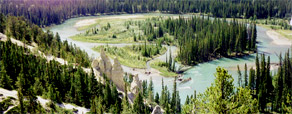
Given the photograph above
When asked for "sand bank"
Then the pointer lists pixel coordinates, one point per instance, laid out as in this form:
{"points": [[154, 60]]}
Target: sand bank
{"points": [[277, 38]]}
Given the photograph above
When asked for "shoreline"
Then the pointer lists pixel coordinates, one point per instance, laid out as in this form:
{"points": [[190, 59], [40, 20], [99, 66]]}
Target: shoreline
{"points": [[277, 38]]}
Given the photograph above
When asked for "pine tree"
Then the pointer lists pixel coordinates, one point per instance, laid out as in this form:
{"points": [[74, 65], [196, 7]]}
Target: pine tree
{"points": [[257, 74], [20, 84], [173, 104], [5, 80], [107, 95], [178, 105], [279, 87], [251, 78], [239, 76], [221, 98], [150, 90], [94, 105], [245, 76], [157, 98], [138, 106]]}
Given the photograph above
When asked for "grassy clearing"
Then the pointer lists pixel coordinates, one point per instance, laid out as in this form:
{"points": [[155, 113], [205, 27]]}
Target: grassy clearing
{"points": [[132, 56], [157, 64], [285, 33], [111, 30]]}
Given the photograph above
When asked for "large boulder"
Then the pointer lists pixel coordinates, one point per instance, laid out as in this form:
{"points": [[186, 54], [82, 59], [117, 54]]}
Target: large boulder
{"points": [[118, 75], [157, 110], [104, 64]]}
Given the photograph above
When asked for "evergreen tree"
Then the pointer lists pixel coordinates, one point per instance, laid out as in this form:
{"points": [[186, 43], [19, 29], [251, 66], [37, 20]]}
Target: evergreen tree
{"points": [[138, 106], [5, 80], [251, 78], [157, 98], [221, 97], [173, 104], [279, 87], [257, 74], [245, 76], [239, 76]]}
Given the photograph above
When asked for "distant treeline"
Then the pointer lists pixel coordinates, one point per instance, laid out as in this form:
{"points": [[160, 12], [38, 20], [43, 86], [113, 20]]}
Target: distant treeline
{"points": [[48, 43], [47, 12]]}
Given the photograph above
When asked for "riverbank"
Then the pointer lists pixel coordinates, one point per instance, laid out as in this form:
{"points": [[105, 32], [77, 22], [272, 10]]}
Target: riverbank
{"points": [[277, 38], [132, 55]]}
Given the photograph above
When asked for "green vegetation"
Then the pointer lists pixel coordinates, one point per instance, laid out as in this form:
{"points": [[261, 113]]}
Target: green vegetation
{"points": [[48, 43], [134, 56], [56, 11], [162, 67], [5, 103], [125, 30], [51, 79], [281, 26], [112, 30], [202, 39], [34, 76], [54, 108], [222, 97]]}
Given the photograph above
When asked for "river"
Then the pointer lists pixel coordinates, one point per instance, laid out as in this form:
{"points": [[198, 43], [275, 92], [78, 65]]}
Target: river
{"points": [[202, 74]]}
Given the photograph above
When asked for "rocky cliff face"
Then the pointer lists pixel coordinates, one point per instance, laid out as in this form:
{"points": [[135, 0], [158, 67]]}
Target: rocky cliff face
{"points": [[136, 85], [114, 72], [104, 64], [118, 75]]}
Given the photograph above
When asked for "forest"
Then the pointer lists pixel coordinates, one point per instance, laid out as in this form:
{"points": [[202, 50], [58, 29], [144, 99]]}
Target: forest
{"points": [[50, 12], [202, 39], [21, 29], [259, 91], [34, 76]]}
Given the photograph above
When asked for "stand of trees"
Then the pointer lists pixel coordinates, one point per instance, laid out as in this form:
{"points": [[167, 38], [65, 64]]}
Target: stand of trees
{"points": [[56, 11], [202, 39], [273, 92], [48, 43], [33, 76]]}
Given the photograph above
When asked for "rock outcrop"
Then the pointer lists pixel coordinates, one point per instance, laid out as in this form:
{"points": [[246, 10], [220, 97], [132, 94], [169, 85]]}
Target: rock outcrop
{"points": [[104, 64], [118, 75], [113, 72], [136, 85], [157, 110], [95, 64]]}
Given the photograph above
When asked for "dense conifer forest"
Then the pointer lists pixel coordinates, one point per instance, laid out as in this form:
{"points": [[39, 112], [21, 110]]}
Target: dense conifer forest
{"points": [[21, 29], [47, 12], [34, 76], [202, 39]]}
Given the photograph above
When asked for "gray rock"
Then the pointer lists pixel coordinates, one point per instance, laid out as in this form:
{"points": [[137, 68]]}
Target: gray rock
{"points": [[118, 75], [157, 110], [104, 64]]}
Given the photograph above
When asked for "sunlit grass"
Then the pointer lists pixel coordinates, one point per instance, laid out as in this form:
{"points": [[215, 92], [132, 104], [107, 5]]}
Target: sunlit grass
{"points": [[123, 33], [127, 56], [162, 69]]}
